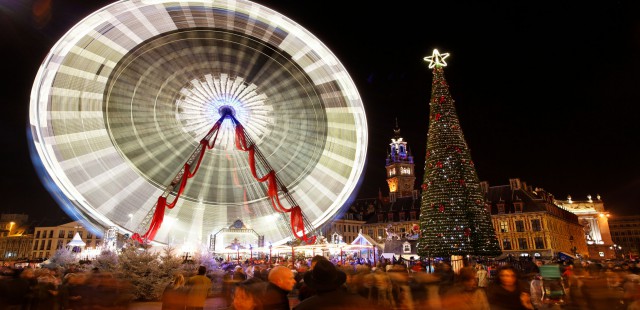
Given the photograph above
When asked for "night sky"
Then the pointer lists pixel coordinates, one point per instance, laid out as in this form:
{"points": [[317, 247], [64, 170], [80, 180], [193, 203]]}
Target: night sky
{"points": [[545, 92]]}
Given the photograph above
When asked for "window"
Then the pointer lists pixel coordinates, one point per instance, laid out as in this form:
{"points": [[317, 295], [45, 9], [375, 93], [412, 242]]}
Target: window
{"points": [[70, 234], [380, 232], [380, 218], [518, 207], [506, 244], [504, 226], [89, 235], [519, 226], [51, 234], [370, 232], [38, 234], [406, 247], [500, 208], [539, 242], [35, 245], [61, 234], [535, 225], [412, 215], [522, 243], [390, 217], [59, 245], [402, 216], [49, 244]]}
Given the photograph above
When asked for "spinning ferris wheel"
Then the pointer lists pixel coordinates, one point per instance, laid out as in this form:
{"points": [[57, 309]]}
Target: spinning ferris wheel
{"points": [[145, 114]]}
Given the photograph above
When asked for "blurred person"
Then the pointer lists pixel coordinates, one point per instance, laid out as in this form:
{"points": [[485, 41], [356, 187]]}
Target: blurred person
{"points": [[174, 296], [238, 274], [247, 294], [198, 290], [465, 294], [384, 289], [46, 292], [482, 275], [506, 292], [304, 291], [13, 290], [401, 292], [446, 275], [328, 283], [281, 282], [72, 291]]}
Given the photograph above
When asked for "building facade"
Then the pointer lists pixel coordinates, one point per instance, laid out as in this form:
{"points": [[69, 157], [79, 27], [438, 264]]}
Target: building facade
{"points": [[625, 232], [15, 240], [46, 240], [529, 223], [595, 224]]}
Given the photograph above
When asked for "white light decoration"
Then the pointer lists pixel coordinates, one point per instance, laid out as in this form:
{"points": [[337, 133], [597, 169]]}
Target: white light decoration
{"points": [[436, 59], [122, 99]]}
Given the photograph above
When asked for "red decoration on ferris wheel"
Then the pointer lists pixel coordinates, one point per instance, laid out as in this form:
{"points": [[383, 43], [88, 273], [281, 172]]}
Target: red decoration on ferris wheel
{"points": [[297, 218]]}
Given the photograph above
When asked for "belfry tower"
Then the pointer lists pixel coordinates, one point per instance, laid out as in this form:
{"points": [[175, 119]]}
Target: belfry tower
{"points": [[400, 168]]}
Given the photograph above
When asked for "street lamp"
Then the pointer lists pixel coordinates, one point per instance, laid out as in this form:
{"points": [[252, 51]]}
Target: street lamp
{"points": [[616, 248], [11, 227]]}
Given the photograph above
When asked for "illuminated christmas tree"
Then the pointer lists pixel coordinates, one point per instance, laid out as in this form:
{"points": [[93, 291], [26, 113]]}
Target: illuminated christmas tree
{"points": [[453, 217]]}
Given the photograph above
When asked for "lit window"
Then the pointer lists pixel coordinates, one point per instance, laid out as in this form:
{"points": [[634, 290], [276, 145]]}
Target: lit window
{"points": [[504, 226]]}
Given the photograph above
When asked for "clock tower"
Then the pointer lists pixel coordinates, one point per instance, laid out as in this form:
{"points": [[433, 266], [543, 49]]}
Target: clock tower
{"points": [[400, 168]]}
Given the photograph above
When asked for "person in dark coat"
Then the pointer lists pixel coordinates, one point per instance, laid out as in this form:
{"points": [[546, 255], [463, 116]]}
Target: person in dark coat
{"points": [[331, 294], [281, 282], [304, 291], [507, 292]]}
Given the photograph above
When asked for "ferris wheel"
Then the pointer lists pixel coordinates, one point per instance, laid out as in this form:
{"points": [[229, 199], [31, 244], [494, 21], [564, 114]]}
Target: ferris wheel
{"points": [[140, 95]]}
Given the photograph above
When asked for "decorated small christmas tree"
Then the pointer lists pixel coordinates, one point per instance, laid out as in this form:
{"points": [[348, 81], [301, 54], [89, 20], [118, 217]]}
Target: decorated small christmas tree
{"points": [[453, 217]]}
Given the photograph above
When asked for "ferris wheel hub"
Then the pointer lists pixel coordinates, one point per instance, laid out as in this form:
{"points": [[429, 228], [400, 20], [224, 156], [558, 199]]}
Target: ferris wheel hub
{"points": [[226, 111]]}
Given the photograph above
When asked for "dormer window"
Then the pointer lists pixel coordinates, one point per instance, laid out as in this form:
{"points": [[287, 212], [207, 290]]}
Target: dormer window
{"points": [[402, 216], [501, 208], [518, 207], [379, 217], [406, 247], [412, 215], [390, 217]]}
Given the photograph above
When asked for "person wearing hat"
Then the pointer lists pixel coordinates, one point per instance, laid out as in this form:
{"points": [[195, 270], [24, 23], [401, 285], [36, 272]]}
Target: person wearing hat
{"points": [[328, 282]]}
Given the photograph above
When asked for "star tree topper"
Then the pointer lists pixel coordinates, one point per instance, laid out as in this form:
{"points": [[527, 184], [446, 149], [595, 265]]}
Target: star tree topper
{"points": [[436, 59]]}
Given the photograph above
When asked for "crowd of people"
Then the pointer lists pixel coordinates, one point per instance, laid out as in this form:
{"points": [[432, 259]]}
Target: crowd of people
{"points": [[319, 283]]}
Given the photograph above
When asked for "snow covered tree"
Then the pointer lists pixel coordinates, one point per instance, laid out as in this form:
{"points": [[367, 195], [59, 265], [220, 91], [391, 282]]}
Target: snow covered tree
{"points": [[63, 257], [141, 268], [170, 265], [106, 261]]}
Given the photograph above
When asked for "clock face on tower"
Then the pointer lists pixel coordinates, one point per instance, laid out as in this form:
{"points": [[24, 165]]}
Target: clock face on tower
{"points": [[406, 186]]}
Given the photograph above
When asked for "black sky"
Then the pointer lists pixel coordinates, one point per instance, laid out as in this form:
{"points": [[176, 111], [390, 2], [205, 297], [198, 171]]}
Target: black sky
{"points": [[547, 92]]}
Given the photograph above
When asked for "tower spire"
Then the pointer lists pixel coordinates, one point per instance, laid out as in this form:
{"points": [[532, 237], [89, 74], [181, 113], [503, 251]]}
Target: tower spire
{"points": [[399, 165]]}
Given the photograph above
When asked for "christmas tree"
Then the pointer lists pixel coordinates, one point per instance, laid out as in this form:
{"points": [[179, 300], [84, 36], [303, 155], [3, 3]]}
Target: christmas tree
{"points": [[453, 217]]}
